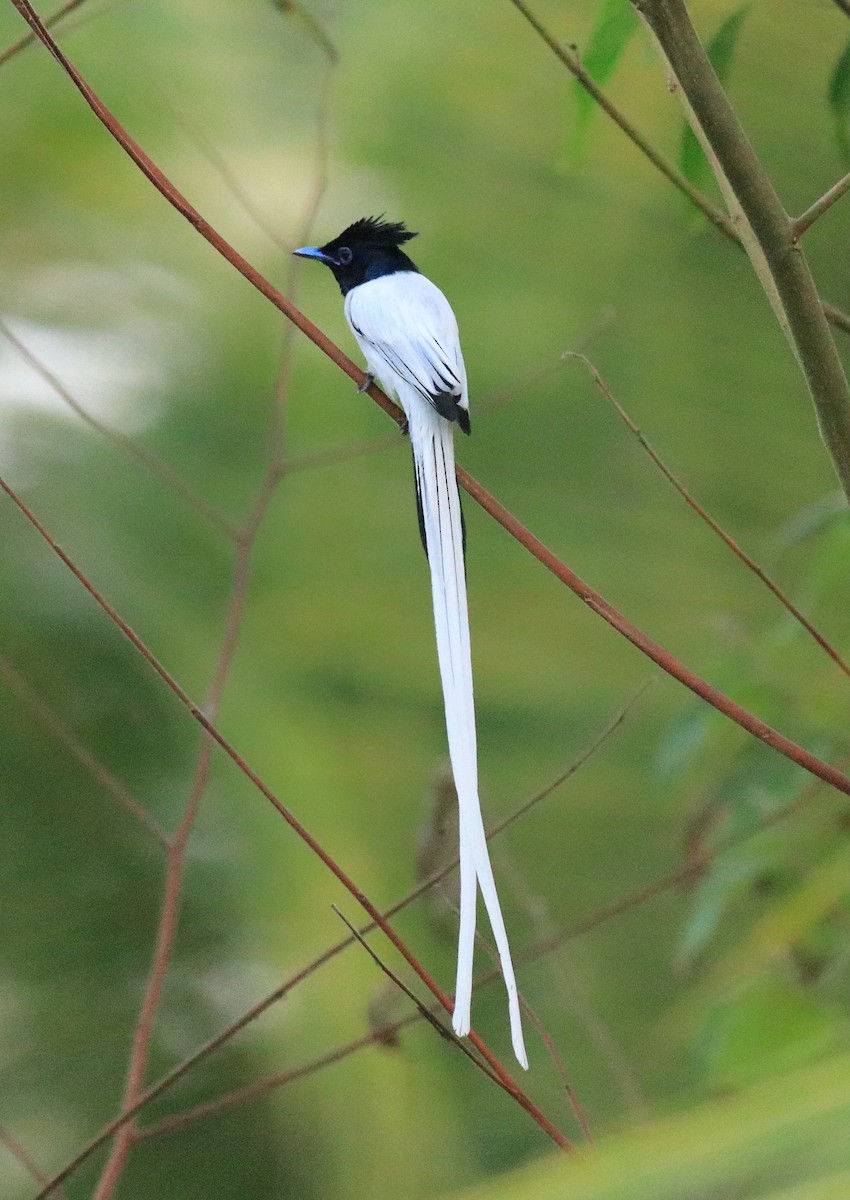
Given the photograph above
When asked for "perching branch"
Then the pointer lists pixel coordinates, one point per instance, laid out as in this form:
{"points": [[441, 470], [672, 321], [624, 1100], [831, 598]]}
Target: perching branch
{"points": [[771, 227]]}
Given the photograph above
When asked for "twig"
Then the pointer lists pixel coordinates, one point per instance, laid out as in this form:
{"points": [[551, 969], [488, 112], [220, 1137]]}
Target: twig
{"points": [[29, 38], [607, 730], [162, 471], [262, 1087], [741, 554], [443, 1030], [315, 27], [63, 732], [177, 849], [570, 1092], [826, 201], [18, 1152], [570, 59], [786, 265], [844, 5]]}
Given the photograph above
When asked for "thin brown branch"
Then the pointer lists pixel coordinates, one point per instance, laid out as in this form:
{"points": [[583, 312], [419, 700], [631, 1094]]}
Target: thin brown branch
{"points": [[844, 5], [436, 1024], [570, 59], [30, 38], [554, 1054], [63, 732], [826, 201], [704, 516], [271, 1083], [177, 849], [162, 471], [29, 1164]]}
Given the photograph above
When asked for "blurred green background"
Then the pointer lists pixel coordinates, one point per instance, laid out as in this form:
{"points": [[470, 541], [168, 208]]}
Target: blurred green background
{"points": [[704, 1032]]}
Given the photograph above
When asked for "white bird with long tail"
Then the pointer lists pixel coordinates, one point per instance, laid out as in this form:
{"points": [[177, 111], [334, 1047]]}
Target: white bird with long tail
{"points": [[408, 333]]}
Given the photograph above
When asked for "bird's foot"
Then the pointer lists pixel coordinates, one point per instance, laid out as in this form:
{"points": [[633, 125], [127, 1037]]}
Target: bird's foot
{"points": [[368, 380], [404, 426]]}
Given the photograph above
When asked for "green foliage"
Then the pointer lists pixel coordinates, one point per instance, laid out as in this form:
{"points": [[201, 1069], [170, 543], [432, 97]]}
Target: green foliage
{"points": [[838, 96], [780, 1140], [615, 25]]}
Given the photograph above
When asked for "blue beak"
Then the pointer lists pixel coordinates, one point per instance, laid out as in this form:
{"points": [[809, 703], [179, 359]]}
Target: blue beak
{"points": [[313, 252]]}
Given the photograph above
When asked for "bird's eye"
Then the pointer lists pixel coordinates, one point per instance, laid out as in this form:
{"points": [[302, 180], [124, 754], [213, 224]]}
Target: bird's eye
{"points": [[344, 256]]}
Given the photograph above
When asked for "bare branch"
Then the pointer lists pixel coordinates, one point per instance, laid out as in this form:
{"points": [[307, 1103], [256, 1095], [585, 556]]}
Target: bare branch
{"points": [[741, 554], [55, 17], [443, 1030], [160, 470], [64, 733], [808, 218], [18, 1152]]}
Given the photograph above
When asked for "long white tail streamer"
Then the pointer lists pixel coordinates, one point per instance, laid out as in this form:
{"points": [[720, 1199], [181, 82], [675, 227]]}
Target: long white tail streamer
{"points": [[432, 440]]}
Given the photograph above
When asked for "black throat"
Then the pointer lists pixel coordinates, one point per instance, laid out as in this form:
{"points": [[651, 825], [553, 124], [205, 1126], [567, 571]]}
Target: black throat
{"points": [[371, 265]]}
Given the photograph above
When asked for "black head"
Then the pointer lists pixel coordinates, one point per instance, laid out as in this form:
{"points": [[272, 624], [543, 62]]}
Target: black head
{"points": [[368, 249]]}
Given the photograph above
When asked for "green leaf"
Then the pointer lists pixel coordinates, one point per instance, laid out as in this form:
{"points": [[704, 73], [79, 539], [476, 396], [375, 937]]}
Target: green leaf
{"points": [[614, 27], [839, 102], [781, 1139], [721, 53]]}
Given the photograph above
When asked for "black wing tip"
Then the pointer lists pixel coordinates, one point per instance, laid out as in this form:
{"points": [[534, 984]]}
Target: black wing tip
{"points": [[447, 406]]}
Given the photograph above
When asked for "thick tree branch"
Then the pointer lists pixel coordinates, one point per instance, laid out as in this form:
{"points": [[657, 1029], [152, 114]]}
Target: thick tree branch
{"points": [[771, 227]]}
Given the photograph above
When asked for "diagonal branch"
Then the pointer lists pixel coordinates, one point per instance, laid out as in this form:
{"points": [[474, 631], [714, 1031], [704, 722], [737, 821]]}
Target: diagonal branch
{"points": [[30, 38], [826, 201], [741, 554], [29, 1164], [63, 732], [422, 1009], [160, 470]]}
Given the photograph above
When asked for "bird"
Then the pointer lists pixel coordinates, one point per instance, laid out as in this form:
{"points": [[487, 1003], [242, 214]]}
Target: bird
{"points": [[408, 334]]}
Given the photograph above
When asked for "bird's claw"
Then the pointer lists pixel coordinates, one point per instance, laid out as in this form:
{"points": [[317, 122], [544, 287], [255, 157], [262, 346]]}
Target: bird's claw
{"points": [[368, 380], [404, 427]]}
